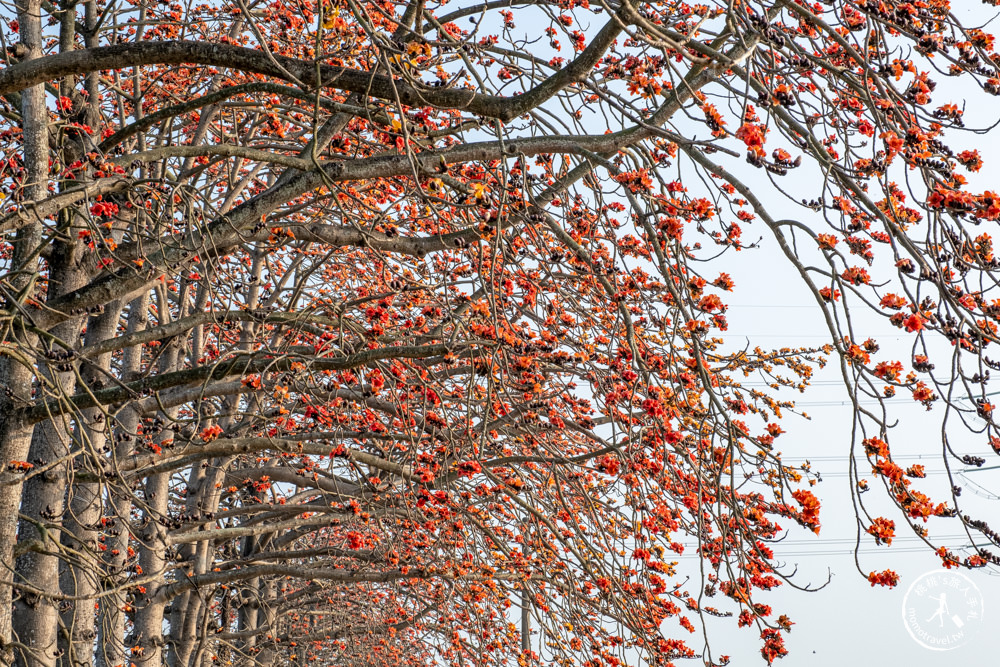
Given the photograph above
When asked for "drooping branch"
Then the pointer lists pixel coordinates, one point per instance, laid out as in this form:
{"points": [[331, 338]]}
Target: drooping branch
{"points": [[313, 75]]}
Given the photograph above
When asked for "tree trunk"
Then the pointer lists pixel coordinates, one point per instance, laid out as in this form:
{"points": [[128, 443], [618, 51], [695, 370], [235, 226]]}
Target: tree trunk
{"points": [[81, 579], [148, 639], [111, 649], [16, 373]]}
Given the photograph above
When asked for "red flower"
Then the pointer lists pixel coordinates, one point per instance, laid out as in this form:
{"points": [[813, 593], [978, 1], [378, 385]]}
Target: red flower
{"points": [[810, 508], [774, 645], [211, 433], [856, 276], [883, 530], [892, 302], [884, 578], [970, 160], [913, 323], [752, 136], [829, 294]]}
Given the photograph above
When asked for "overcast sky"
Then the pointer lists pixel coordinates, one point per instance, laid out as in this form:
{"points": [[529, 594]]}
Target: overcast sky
{"points": [[850, 620]]}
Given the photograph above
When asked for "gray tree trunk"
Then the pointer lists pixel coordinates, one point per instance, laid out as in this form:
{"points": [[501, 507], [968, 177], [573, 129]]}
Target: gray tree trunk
{"points": [[111, 648], [16, 374], [43, 502], [81, 579], [148, 627]]}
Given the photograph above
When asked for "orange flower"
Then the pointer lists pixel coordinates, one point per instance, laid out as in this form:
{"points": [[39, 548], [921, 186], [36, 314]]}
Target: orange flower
{"points": [[913, 323], [886, 578]]}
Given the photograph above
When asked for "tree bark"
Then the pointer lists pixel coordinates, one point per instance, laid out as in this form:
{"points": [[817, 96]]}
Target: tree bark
{"points": [[148, 641], [81, 579], [16, 373], [111, 649]]}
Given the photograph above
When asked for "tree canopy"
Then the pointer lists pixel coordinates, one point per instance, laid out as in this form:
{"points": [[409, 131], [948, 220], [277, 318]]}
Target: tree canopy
{"points": [[374, 333]]}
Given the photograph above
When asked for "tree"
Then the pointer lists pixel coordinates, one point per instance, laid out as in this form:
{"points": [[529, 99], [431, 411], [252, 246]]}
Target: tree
{"points": [[355, 333]]}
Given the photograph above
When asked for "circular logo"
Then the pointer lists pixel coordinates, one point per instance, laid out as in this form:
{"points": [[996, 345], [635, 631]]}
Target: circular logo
{"points": [[943, 610]]}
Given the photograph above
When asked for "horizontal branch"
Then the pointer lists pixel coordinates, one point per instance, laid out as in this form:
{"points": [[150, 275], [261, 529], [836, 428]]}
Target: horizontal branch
{"points": [[185, 324], [216, 150], [305, 573], [247, 364], [170, 591], [29, 212], [202, 535], [179, 457], [221, 95], [229, 231], [315, 75]]}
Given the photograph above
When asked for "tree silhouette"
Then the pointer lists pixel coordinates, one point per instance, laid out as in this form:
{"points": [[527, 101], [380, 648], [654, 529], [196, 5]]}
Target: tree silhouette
{"points": [[393, 334]]}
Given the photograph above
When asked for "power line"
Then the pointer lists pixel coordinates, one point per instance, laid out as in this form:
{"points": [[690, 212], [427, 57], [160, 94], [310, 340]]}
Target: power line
{"points": [[768, 306], [979, 489], [927, 473], [886, 550], [851, 540], [895, 457]]}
